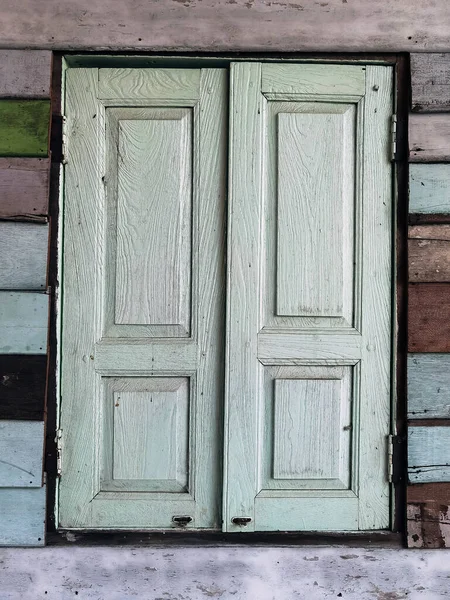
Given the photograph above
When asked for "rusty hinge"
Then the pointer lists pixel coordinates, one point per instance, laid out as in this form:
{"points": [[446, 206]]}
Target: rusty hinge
{"points": [[58, 440], [395, 458], [64, 140], [394, 153]]}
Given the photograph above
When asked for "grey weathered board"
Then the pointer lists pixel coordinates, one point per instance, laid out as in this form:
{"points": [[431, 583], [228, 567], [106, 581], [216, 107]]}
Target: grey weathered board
{"points": [[23, 256], [429, 253], [429, 386], [22, 516], [21, 453], [23, 322], [430, 82], [428, 454], [217, 25], [25, 73], [24, 188], [429, 188], [429, 137]]}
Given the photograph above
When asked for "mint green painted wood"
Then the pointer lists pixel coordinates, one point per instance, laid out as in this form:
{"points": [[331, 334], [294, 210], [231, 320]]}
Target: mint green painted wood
{"points": [[21, 453], [23, 256], [23, 322], [429, 188], [22, 516], [141, 415], [428, 454], [271, 353], [429, 386], [24, 127]]}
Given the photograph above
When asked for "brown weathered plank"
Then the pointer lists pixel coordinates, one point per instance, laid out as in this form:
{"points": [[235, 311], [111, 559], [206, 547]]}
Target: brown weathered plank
{"points": [[429, 317], [22, 386], [25, 73], [428, 525], [24, 185], [429, 253], [365, 25], [429, 138], [430, 82], [429, 492]]}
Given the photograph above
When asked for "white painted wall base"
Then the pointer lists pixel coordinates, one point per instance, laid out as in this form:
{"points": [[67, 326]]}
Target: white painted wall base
{"points": [[169, 573]]}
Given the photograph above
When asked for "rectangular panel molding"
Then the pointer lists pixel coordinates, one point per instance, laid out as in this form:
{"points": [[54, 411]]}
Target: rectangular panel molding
{"points": [[429, 454]]}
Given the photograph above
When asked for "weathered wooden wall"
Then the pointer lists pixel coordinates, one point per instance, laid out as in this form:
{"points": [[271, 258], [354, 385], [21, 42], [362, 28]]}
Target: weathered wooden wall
{"points": [[24, 299], [428, 495]]}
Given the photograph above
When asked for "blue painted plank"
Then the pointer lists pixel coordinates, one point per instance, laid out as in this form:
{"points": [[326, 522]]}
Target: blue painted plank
{"points": [[22, 516], [429, 386], [429, 188], [23, 322], [429, 454], [23, 256], [21, 453]]}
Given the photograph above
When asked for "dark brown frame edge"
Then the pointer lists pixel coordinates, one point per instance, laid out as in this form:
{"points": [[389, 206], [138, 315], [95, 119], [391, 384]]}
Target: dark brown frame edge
{"points": [[396, 537]]}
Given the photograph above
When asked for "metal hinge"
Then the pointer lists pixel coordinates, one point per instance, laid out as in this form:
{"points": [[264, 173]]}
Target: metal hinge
{"points": [[58, 451], [394, 137], [395, 458], [64, 141]]}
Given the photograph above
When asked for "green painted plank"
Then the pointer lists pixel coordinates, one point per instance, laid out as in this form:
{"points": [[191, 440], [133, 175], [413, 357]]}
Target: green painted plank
{"points": [[429, 386], [24, 127], [429, 454], [22, 516], [429, 188], [21, 452]]}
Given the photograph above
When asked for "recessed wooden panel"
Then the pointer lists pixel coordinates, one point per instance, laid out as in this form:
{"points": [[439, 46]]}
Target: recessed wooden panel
{"points": [[429, 138], [153, 220], [429, 189], [24, 188], [429, 253], [22, 386], [25, 73], [429, 317], [149, 436], [22, 516], [315, 188], [21, 452], [23, 251], [430, 82], [23, 322], [429, 454], [24, 127], [429, 386]]}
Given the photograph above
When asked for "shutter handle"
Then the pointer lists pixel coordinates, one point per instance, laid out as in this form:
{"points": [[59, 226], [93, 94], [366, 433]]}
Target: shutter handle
{"points": [[242, 521]]}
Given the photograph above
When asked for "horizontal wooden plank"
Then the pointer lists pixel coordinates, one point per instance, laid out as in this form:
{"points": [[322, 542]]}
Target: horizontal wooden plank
{"points": [[218, 25], [24, 127], [429, 253], [428, 219], [22, 385], [428, 454], [23, 251], [429, 138], [428, 525], [23, 322], [429, 188], [25, 73], [421, 493], [430, 82], [22, 516], [22, 453], [428, 386], [24, 188], [429, 317]]}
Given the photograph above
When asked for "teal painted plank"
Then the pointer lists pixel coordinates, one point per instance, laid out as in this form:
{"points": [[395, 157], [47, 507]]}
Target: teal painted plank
{"points": [[23, 256], [21, 453], [428, 386], [22, 516], [428, 454], [429, 188], [23, 322], [24, 127]]}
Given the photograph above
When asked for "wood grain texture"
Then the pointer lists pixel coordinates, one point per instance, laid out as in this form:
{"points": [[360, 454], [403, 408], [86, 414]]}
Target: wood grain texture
{"points": [[429, 317], [24, 188], [429, 492], [429, 386], [428, 524], [25, 73], [430, 82], [429, 138], [23, 256], [23, 322], [22, 516], [429, 189], [429, 253], [24, 127], [22, 453], [22, 386], [149, 84], [429, 454], [217, 25]]}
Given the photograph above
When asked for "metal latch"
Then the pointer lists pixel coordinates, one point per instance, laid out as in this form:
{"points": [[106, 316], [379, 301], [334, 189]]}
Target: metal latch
{"points": [[58, 452], [242, 521]]}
